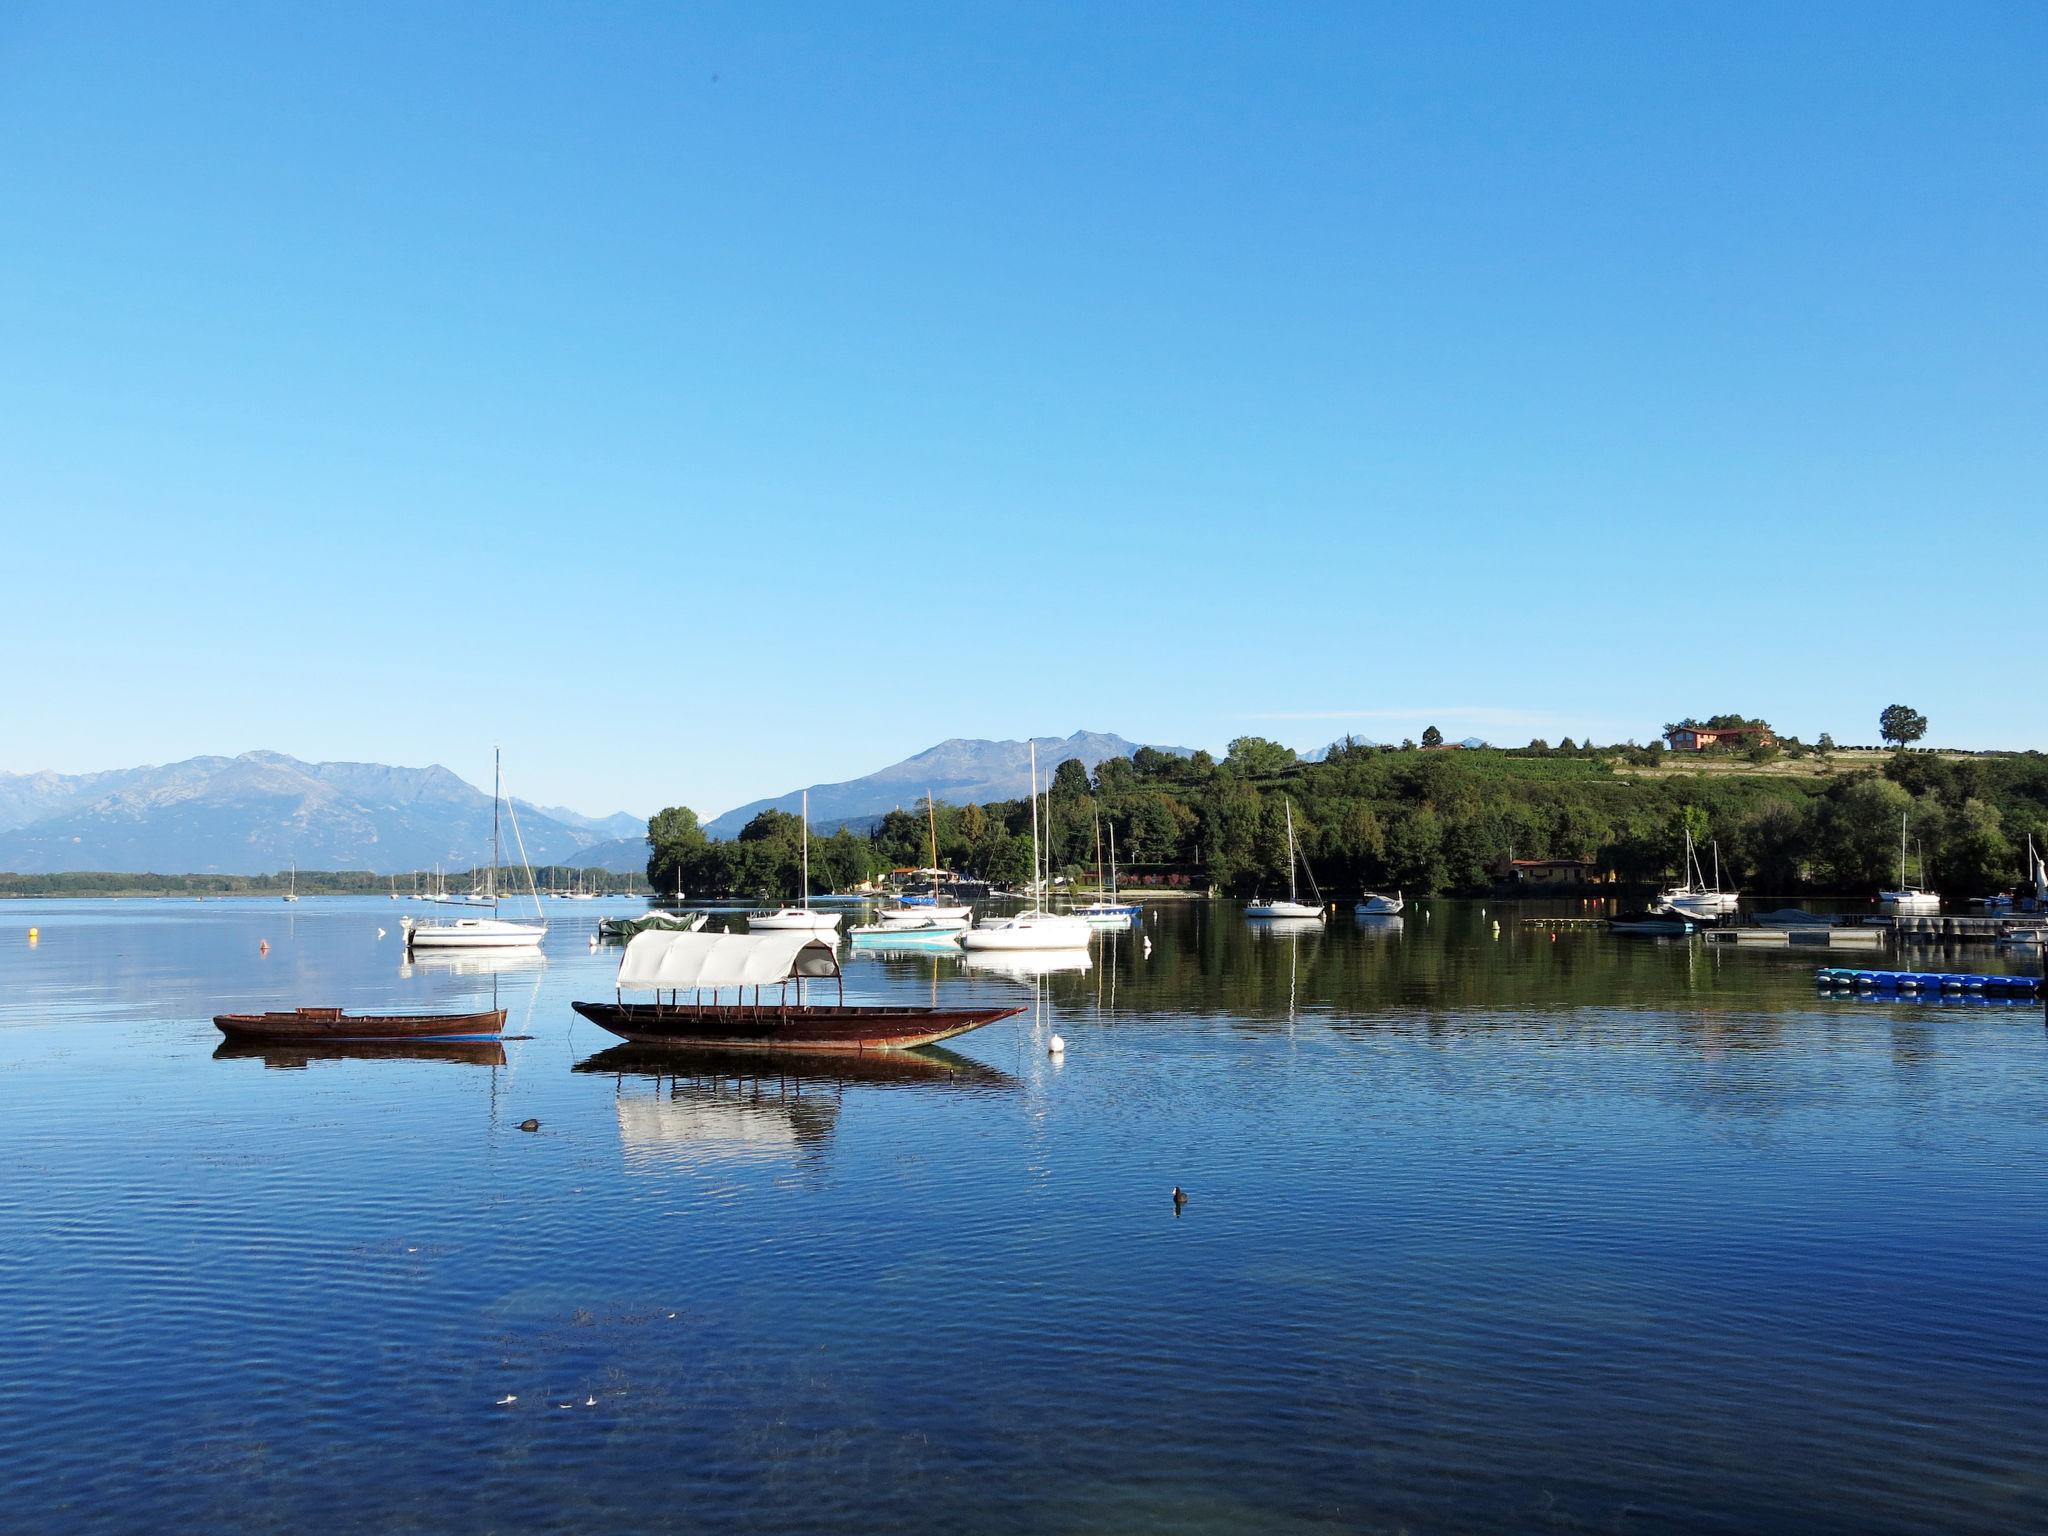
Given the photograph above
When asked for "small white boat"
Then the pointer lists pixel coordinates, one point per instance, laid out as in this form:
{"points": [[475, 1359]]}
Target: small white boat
{"points": [[783, 919], [1036, 929], [486, 932], [1029, 930], [1292, 906], [912, 917], [907, 934], [1911, 900], [1376, 905], [1110, 912], [293, 893]]}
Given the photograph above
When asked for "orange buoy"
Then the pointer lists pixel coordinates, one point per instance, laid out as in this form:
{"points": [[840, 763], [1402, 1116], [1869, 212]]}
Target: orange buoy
{"points": [[263, 947]]}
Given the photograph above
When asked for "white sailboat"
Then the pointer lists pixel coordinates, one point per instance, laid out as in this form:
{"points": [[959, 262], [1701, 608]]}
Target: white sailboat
{"points": [[1036, 929], [1110, 912], [293, 893], [1293, 906], [800, 916], [1373, 904], [1692, 896], [1909, 899], [490, 932], [928, 919]]}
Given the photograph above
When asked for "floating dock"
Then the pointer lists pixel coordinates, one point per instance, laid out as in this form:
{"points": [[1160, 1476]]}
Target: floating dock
{"points": [[1945, 929], [1816, 936], [1937, 983]]}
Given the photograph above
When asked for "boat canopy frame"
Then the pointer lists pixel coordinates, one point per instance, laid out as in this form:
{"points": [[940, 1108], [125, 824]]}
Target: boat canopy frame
{"points": [[661, 961]]}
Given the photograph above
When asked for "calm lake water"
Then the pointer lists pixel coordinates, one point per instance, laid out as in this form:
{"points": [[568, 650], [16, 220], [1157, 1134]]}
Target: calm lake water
{"points": [[1485, 1233]]}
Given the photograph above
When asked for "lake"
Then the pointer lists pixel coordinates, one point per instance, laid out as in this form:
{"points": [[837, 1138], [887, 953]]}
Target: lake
{"points": [[1486, 1231]]}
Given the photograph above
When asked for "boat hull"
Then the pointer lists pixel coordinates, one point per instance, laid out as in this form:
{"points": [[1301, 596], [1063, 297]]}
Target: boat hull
{"points": [[741, 1027], [474, 933], [1267, 909], [310, 1025]]}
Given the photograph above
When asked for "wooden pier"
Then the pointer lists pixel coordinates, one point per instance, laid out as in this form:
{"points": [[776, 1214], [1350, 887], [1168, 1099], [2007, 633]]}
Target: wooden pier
{"points": [[1944, 928]]}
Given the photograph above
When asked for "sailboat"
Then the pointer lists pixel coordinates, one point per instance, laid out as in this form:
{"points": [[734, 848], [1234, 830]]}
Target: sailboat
{"points": [[1693, 897], [1293, 906], [1109, 913], [490, 932], [927, 919], [293, 893], [802, 916], [1037, 928], [1909, 898]]}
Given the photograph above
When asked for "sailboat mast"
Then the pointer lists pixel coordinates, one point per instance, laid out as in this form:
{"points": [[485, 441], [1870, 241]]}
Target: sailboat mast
{"points": [[931, 814], [1039, 893], [807, 850], [1292, 895], [497, 794]]}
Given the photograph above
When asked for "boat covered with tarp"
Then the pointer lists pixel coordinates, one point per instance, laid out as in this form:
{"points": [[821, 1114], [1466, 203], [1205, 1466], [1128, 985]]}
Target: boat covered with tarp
{"points": [[748, 991]]}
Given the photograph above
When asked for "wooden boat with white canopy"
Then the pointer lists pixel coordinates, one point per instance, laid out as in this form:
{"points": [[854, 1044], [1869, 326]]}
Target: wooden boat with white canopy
{"points": [[760, 972]]}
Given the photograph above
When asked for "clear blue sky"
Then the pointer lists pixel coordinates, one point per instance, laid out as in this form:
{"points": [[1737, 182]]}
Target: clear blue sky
{"points": [[904, 371]]}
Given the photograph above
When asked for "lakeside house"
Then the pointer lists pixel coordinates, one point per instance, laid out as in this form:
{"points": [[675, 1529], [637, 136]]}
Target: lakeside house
{"points": [[1698, 738], [1549, 874]]}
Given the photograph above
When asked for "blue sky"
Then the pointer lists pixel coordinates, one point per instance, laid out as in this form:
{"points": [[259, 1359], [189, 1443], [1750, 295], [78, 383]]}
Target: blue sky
{"points": [[703, 400]]}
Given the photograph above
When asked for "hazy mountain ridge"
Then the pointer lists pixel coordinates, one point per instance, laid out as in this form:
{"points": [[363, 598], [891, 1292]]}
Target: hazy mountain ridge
{"points": [[960, 770], [262, 811]]}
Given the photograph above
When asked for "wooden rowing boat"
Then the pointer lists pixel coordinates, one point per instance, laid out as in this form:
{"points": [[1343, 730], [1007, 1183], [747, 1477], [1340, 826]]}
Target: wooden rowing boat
{"points": [[796, 1027], [309, 1024]]}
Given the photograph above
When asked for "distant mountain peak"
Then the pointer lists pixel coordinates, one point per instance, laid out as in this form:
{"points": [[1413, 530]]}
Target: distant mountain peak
{"points": [[960, 769], [262, 810]]}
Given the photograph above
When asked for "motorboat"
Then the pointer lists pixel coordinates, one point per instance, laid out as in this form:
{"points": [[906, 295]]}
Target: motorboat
{"points": [[1293, 906], [1375, 905], [491, 932]]}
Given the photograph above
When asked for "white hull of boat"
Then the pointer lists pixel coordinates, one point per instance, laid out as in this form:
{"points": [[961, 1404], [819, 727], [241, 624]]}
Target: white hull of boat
{"points": [[1028, 931], [912, 916], [926, 935], [1381, 906], [793, 918], [1699, 904], [475, 933], [1910, 901], [1286, 909]]}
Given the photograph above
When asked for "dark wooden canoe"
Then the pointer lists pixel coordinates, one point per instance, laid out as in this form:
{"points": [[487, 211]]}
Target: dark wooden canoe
{"points": [[308, 1024], [297, 1055], [740, 1027]]}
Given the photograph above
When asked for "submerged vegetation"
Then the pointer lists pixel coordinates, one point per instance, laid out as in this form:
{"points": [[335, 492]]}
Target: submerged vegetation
{"points": [[1430, 821]]}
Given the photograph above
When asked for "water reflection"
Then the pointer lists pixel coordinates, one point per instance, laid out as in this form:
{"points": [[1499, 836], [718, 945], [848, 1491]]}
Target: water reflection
{"points": [[1377, 925], [483, 962], [688, 1108], [1027, 964], [297, 1057]]}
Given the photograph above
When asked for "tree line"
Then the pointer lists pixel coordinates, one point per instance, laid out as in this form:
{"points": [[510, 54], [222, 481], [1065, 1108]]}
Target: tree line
{"points": [[1429, 822]]}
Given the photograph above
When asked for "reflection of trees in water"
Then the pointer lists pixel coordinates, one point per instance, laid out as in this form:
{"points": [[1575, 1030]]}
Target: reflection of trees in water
{"points": [[1444, 961]]}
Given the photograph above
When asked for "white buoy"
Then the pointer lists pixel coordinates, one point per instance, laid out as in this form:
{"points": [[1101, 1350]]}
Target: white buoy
{"points": [[380, 933], [1056, 1046]]}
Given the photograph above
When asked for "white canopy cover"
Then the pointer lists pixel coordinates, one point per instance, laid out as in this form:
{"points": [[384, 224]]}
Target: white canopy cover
{"points": [[658, 961]]}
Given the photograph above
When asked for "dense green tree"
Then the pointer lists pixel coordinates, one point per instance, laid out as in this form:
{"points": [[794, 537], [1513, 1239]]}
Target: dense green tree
{"points": [[1432, 737], [1257, 758], [1901, 723]]}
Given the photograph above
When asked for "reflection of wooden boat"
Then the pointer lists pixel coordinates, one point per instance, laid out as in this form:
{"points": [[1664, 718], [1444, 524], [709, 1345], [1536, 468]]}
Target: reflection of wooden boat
{"points": [[670, 964], [303, 1025], [297, 1055], [933, 1064]]}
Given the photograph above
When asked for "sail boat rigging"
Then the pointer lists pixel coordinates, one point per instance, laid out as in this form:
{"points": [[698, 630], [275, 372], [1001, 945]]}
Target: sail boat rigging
{"points": [[1293, 906], [1036, 928], [492, 932], [800, 916], [1909, 898]]}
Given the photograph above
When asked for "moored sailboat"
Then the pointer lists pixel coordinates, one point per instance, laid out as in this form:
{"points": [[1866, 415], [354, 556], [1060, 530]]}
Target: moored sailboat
{"points": [[1036, 928], [798, 918], [1293, 906], [491, 932], [1911, 900]]}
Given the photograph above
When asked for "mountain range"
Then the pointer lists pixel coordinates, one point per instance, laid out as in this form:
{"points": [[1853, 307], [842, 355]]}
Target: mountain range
{"points": [[262, 811], [960, 771]]}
